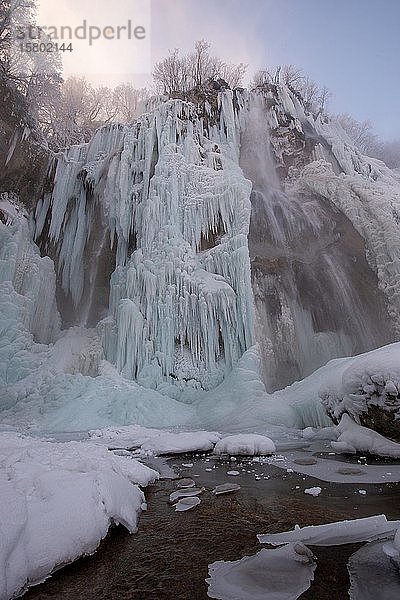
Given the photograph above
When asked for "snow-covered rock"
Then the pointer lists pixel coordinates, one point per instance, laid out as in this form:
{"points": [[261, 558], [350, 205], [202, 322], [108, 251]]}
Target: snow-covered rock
{"points": [[354, 438], [156, 441], [245, 445], [57, 501]]}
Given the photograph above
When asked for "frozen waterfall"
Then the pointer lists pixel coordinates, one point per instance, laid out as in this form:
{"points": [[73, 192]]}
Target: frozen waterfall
{"points": [[175, 237], [316, 297]]}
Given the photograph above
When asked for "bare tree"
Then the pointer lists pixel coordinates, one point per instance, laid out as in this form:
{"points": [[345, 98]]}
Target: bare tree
{"points": [[180, 74]]}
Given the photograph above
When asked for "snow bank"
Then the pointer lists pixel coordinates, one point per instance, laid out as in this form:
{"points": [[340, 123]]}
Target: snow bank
{"points": [[57, 502], [154, 441], [245, 445], [279, 574], [348, 385], [353, 438], [334, 534]]}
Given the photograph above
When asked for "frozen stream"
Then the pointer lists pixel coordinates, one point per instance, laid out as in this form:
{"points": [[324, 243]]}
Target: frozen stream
{"points": [[169, 556]]}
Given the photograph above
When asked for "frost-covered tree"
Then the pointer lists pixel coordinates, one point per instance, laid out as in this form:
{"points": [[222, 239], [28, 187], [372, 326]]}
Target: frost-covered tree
{"points": [[81, 108], [35, 75], [180, 74], [360, 133], [389, 152], [126, 100], [314, 97]]}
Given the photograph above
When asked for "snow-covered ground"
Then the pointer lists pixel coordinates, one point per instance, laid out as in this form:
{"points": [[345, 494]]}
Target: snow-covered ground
{"points": [[57, 502]]}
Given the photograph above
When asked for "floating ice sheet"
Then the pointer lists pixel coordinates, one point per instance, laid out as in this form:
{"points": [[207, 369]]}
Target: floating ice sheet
{"points": [[281, 574], [373, 576], [335, 534]]}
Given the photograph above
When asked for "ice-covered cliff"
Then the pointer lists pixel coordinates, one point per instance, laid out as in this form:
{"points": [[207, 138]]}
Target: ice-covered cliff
{"points": [[186, 237]]}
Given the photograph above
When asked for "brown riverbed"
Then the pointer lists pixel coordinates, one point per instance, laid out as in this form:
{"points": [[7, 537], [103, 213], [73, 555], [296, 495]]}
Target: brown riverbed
{"points": [[168, 558]]}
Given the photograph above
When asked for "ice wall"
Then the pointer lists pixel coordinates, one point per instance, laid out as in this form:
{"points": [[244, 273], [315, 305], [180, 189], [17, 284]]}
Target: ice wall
{"points": [[169, 197], [23, 270], [149, 227]]}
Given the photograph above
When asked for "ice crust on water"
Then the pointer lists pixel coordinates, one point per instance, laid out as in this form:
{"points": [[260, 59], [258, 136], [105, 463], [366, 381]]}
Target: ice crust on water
{"points": [[245, 445], [334, 534], [57, 501], [280, 574]]}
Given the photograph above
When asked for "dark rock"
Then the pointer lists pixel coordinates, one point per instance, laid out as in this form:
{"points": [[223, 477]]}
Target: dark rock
{"points": [[383, 420]]}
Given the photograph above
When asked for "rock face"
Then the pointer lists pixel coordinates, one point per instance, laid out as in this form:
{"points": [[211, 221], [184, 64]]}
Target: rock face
{"points": [[316, 296], [23, 158], [383, 419]]}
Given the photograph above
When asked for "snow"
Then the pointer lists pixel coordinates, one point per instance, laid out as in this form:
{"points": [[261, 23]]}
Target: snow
{"points": [[280, 574], [57, 501], [335, 534], [245, 445], [354, 438]]}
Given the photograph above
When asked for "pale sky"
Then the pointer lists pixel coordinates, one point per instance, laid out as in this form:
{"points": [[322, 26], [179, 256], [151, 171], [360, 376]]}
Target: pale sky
{"points": [[351, 46]]}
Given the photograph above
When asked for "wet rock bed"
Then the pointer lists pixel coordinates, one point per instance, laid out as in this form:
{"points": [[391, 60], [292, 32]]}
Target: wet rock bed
{"points": [[169, 556]]}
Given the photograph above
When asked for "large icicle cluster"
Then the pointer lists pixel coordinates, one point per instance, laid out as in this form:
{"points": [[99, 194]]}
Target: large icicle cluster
{"points": [[177, 207], [23, 271]]}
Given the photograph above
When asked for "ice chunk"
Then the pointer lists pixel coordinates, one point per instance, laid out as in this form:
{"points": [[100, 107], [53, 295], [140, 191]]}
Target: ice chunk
{"points": [[280, 574], [185, 504], [185, 493], [226, 488], [334, 534], [245, 445], [314, 491], [373, 575]]}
